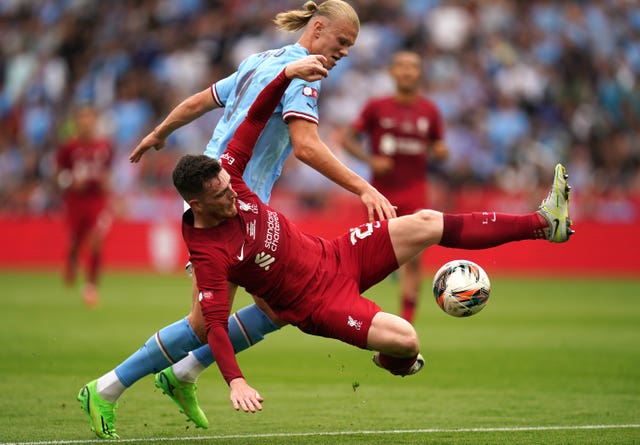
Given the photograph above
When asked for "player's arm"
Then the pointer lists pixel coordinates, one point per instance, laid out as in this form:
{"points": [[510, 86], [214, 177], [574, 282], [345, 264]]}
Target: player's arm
{"points": [[380, 165], [439, 150], [309, 148], [187, 111], [63, 175], [240, 147], [214, 298]]}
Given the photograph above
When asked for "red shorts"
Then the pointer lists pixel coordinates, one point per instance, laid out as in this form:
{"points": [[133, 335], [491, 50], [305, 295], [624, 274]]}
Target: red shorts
{"points": [[86, 214], [355, 262]]}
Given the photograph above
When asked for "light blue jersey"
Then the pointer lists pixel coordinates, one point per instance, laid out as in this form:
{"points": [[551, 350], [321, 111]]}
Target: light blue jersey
{"points": [[238, 91]]}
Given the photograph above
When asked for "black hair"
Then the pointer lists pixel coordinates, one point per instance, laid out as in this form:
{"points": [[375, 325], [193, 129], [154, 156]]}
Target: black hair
{"points": [[192, 172]]}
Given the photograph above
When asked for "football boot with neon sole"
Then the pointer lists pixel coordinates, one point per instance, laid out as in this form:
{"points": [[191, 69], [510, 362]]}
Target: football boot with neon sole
{"points": [[413, 369], [555, 208], [183, 394], [101, 413]]}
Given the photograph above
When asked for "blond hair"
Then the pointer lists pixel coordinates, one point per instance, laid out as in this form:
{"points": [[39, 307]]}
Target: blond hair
{"points": [[296, 19]]}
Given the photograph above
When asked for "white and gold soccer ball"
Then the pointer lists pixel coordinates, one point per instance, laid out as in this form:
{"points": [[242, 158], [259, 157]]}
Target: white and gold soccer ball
{"points": [[461, 288]]}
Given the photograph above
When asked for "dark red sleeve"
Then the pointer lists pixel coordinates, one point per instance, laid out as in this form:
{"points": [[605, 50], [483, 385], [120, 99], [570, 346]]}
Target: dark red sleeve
{"points": [[214, 302], [240, 147], [437, 128]]}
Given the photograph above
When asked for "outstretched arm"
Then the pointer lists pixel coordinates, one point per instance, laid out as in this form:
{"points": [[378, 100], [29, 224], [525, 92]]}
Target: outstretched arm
{"points": [[309, 148], [187, 111]]}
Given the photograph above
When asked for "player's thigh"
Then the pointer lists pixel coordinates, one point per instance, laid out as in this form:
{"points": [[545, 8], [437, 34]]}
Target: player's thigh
{"points": [[264, 307], [411, 234]]}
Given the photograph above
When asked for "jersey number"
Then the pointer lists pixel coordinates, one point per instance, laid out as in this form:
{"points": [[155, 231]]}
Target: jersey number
{"points": [[363, 231]]}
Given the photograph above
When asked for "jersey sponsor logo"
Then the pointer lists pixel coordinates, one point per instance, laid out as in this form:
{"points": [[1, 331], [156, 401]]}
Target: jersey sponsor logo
{"points": [[353, 323], [272, 238], [251, 229], [387, 122], [422, 125], [363, 231], [391, 145], [248, 206], [309, 91], [264, 260]]}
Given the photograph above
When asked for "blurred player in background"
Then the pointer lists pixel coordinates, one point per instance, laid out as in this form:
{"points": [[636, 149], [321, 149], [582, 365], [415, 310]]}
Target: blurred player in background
{"points": [[405, 131], [83, 173], [328, 29]]}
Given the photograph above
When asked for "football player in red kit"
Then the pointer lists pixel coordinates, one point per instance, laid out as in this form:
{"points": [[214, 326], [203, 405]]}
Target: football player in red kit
{"points": [[84, 166], [310, 282], [405, 132]]}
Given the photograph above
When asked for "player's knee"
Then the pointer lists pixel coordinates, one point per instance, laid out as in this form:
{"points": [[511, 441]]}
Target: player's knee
{"points": [[409, 345], [427, 216], [406, 341]]}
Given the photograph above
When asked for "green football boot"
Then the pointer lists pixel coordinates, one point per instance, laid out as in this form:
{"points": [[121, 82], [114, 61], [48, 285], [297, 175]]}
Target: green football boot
{"points": [[101, 413], [183, 394], [555, 208]]}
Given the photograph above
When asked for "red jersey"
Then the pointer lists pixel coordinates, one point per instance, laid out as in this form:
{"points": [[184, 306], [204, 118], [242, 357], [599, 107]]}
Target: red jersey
{"points": [[258, 249], [403, 132], [86, 161]]}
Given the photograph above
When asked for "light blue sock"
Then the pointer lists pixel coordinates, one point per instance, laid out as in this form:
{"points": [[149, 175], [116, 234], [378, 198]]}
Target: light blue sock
{"points": [[247, 327], [164, 348]]}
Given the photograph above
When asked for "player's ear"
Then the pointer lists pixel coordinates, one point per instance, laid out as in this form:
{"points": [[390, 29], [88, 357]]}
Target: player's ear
{"points": [[195, 205], [318, 26]]}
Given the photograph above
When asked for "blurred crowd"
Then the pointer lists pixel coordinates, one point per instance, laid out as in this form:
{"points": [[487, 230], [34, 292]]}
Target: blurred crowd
{"points": [[521, 85]]}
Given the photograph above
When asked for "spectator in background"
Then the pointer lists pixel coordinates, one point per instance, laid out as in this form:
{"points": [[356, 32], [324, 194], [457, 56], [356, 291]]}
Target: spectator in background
{"points": [[405, 131], [83, 173], [580, 60]]}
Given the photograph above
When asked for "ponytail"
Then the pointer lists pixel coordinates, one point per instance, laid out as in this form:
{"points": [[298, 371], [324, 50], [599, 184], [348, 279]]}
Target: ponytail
{"points": [[296, 19]]}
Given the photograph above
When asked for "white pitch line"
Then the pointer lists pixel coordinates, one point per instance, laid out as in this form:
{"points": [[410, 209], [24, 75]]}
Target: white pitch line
{"points": [[340, 433]]}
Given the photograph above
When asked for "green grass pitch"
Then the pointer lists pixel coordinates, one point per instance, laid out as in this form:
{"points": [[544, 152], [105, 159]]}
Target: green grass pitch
{"points": [[549, 360]]}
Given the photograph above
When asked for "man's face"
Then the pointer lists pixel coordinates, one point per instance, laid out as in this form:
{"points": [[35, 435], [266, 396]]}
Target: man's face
{"points": [[333, 39], [86, 121], [219, 198], [406, 71]]}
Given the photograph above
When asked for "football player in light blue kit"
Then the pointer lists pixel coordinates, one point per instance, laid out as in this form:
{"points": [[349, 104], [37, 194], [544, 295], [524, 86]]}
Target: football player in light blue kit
{"points": [[236, 94], [329, 30]]}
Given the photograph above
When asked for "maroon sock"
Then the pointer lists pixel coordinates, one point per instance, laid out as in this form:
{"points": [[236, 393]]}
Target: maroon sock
{"points": [[408, 308], [480, 230], [396, 365]]}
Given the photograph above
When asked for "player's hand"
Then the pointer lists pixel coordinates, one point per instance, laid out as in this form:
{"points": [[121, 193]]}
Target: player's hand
{"points": [[150, 141], [378, 207], [310, 68], [245, 397]]}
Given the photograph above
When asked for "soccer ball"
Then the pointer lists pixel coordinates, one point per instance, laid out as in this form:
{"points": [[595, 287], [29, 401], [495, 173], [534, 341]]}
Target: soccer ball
{"points": [[461, 288]]}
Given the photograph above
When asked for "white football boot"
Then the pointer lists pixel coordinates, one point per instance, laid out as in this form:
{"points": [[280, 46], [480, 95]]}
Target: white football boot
{"points": [[417, 365]]}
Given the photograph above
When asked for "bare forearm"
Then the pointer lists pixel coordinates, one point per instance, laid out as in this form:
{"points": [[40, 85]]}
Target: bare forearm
{"points": [[321, 159], [187, 111]]}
